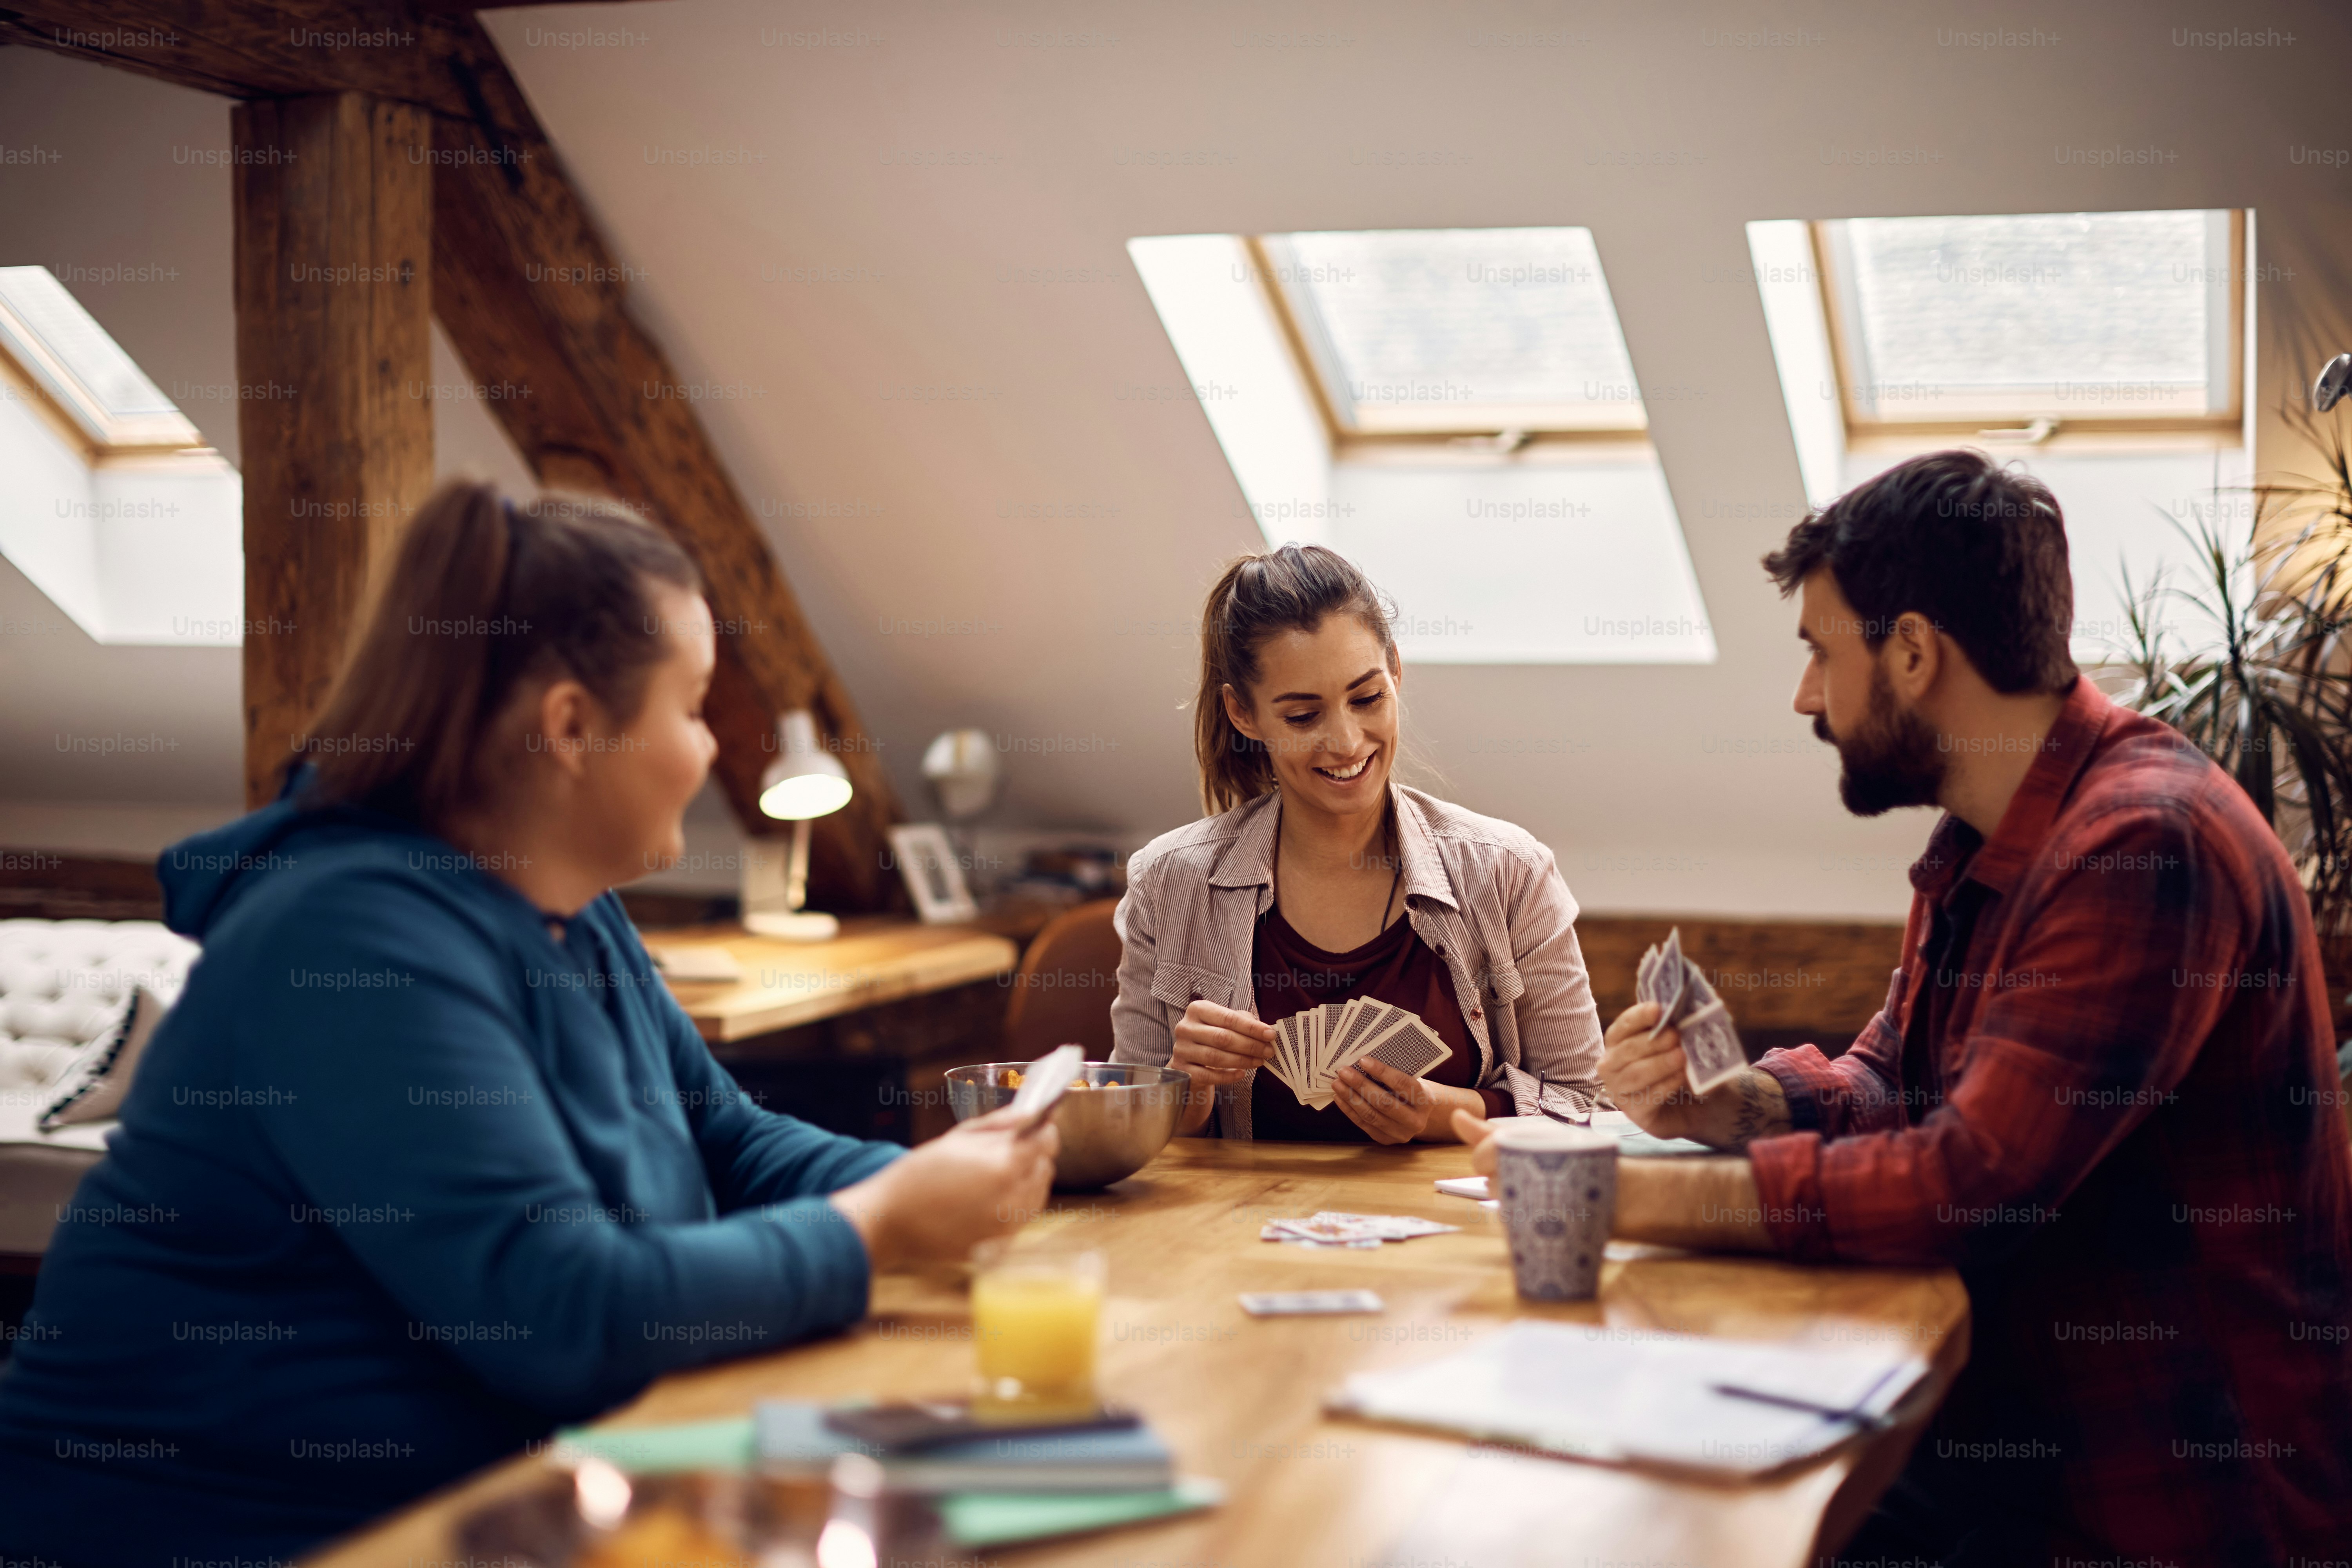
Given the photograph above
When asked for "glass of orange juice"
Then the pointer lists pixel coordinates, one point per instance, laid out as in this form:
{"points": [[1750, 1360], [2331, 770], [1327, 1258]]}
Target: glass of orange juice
{"points": [[1036, 1320]]}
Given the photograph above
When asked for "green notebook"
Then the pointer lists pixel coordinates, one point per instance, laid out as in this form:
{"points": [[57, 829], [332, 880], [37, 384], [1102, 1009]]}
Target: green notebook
{"points": [[665, 1450], [977, 1520], [973, 1519]]}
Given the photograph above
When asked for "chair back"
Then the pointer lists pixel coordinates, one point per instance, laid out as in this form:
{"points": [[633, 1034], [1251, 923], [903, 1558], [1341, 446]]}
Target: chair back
{"points": [[1063, 991]]}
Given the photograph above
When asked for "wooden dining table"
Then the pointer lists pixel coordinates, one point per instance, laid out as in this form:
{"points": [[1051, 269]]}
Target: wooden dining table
{"points": [[1241, 1398]]}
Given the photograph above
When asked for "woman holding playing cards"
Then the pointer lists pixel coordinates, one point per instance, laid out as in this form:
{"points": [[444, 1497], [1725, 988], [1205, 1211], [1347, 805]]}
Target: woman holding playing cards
{"points": [[1331, 955]]}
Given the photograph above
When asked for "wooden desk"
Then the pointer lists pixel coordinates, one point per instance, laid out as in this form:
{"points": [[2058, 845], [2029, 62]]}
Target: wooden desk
{"points": [[875, 959], [1238, 1398]]}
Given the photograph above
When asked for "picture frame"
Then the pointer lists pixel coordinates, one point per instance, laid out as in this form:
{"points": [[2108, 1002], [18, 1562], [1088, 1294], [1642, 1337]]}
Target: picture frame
{"points": [[934, 876]]}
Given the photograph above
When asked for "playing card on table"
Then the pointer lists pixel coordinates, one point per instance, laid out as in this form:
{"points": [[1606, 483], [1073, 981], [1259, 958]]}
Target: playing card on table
{"points": [[1307, 1303], [1323, 1230], [1390, 1226]]}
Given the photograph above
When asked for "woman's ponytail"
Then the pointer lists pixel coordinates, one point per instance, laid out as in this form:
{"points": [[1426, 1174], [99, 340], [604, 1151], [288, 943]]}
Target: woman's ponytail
{"points": [[480, 596]]}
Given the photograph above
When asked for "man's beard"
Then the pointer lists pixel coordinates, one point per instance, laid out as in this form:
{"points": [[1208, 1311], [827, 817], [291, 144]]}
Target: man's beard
{"points": [[1892, 758]]}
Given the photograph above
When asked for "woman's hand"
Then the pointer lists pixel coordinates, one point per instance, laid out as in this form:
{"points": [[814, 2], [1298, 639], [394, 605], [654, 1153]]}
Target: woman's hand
{"points": [[1216, 1046], [1391, 1106], [981, 1178]]}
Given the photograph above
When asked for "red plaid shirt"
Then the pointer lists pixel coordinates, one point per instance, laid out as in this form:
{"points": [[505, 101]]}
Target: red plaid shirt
{"points": [[2118, 1116]]}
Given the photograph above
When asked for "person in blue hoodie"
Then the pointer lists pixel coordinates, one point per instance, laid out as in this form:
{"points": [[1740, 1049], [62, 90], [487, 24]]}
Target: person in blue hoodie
{"points": [[425, 1162]]}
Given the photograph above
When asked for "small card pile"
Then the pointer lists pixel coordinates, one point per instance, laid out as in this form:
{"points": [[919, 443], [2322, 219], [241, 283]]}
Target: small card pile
{"points": [[1711, 1048], [1332, 1228], [1308, 1304], [1310, 1048]]}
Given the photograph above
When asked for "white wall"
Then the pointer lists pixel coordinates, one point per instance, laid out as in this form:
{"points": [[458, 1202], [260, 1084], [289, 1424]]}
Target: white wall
{"points": [[118, 184], [961, 406]]}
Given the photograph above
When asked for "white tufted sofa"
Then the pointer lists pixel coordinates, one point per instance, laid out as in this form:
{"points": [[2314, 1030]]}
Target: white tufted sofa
{"points": [[63, 986]]}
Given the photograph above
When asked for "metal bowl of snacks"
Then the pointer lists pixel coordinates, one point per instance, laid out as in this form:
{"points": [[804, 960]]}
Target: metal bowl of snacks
{"points": [[1112, 1121]]}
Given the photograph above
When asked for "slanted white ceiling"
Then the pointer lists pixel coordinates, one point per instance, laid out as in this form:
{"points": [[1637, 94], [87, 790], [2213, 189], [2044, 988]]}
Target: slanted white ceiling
{"points": [[896, 256]]}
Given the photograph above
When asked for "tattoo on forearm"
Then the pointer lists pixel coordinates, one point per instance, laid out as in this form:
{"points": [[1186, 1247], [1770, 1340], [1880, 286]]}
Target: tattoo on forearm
{"points": [[1755, 1116]]}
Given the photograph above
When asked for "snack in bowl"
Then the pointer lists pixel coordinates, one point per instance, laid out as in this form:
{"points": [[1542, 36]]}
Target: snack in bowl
{"points": [[1013, 1080]]}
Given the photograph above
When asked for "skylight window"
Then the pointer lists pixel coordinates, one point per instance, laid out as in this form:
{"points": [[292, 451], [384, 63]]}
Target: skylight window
{"points": [[1444, 332], [2065, 321], [115, 510], [84, 373], [1425, 499]]}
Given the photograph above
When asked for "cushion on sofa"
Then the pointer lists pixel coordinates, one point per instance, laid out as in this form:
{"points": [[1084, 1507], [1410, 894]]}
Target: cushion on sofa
{"points": [[93, 1087], [68, 1007]]}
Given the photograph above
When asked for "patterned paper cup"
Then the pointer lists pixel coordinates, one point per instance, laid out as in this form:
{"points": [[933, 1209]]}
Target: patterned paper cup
{"points": [[1558, 1185]]}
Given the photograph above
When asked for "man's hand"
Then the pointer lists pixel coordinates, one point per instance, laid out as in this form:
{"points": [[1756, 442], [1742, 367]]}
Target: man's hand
{"points": [[1216, 1046], [984, 1178], [1647, 1080], [1479, 1134]]}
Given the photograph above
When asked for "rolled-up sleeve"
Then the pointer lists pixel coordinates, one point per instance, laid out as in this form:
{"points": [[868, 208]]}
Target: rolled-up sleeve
{"points": [[1140, 1030], [1860, 1091], [1557, 1020], [2086, 1027]]}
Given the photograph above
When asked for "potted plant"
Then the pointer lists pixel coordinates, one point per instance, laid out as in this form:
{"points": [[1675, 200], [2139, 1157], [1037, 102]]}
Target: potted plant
{"points": [[2251, 660]]}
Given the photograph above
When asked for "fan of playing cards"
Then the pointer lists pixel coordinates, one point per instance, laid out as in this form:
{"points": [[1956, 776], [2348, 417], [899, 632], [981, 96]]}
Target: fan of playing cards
{"points": [[1310, 1048], [1711, 1050]]}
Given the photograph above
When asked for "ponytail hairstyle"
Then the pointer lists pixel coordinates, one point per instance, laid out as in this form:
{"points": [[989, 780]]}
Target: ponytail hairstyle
{"points": [[1284, 590], [482, 597]]}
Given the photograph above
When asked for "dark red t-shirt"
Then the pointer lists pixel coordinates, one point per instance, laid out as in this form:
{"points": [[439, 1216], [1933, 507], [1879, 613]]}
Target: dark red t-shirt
{"points": [[1293, 976]]}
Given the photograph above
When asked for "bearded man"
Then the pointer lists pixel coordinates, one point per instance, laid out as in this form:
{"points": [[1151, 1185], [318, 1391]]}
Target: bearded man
{"points": [[2103, 1086]]}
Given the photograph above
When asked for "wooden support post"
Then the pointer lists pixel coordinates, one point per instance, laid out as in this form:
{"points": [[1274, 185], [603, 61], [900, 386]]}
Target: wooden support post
{"points": [[334, 304]]}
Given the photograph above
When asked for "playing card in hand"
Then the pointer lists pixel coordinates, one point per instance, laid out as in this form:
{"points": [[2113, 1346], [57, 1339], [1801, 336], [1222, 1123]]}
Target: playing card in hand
{"points": [[1346, 1023], [1285, 1049], [1311, 1048], [1711, 1049], [1412, 1048]]}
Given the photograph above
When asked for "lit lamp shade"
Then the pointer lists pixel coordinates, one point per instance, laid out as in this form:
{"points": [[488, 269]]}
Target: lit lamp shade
{"points": [[805, 780]]}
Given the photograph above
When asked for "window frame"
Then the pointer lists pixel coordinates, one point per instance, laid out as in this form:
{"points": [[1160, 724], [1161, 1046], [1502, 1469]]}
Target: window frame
{"points": [[55, 391], [2224, 429], [1395, 436]]}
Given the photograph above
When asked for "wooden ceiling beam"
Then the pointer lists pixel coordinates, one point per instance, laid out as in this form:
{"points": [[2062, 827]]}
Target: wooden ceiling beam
{"points": [[257, 48], [535, 305]]}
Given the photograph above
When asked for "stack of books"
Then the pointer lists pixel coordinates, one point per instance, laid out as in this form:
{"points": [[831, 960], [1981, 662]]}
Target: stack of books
{"points": [[1003, 1487], [1007, 1485], [990, 1491]]}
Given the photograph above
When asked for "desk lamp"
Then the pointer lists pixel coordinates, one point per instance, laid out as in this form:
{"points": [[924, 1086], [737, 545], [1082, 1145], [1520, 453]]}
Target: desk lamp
{"points": [[803, 782], [2335, 381]]}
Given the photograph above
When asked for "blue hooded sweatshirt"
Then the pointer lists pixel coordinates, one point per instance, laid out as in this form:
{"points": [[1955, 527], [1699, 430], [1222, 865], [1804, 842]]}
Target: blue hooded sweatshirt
{"points": [[402, 1182]]}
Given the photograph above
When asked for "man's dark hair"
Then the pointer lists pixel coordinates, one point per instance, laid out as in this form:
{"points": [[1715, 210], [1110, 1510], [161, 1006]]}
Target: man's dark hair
{"points": [[1977, 549]]}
